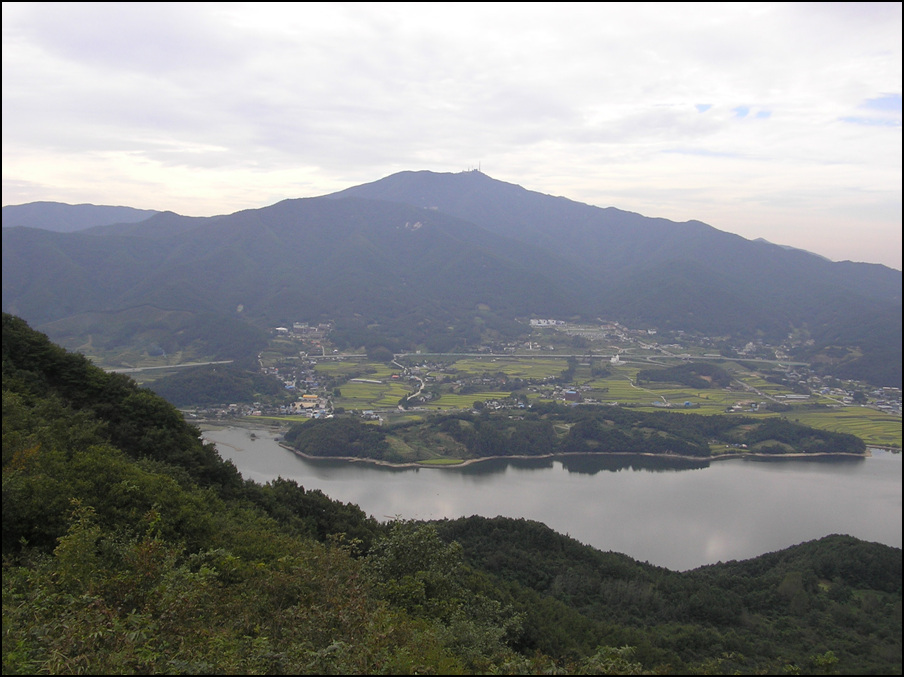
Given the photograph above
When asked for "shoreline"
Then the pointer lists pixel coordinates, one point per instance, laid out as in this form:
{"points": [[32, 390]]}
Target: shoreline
{"points": [[470, 461]]}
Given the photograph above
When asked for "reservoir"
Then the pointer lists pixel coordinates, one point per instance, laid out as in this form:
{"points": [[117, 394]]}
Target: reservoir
{"points": [[675, 514]]}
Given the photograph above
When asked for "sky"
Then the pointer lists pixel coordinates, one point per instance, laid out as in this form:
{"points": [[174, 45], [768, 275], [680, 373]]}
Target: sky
{"points": [[770, 120]]}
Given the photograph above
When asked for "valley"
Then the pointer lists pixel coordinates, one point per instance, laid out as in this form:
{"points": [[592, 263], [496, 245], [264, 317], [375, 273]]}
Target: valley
{"points": [[452, 339], [310, 379], [427, 293]]}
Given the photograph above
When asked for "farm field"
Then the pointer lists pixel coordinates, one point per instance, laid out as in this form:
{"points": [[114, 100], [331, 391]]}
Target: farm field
{"points": [[366, 385], [358, 395], [454, 401], [515, 367], [620, 387], [873, 427]]}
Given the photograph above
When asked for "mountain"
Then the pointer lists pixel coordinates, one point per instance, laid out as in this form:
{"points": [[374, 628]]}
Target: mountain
{"points": [[401, 273], [686, 276], [613, 243], [784, 246], [442, 261], [65, 218]]}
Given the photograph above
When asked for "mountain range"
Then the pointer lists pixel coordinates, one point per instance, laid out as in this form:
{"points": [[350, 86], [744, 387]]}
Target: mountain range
{"points": [[434, 260], [65, 218]]}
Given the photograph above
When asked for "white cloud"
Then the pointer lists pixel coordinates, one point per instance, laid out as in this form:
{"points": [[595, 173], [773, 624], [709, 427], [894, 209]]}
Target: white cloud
{"points": [[209, 108]]}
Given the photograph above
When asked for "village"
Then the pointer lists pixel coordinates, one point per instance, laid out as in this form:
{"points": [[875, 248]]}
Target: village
{"points": [[593, 364]]}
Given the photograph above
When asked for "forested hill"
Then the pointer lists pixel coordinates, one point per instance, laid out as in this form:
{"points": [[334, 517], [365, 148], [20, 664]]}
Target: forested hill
{"points": [[129, 546], [596, 429]]}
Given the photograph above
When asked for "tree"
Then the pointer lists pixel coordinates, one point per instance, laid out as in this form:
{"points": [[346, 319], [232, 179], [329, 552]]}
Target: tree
{"points": [[414, 569], [380, 354]]}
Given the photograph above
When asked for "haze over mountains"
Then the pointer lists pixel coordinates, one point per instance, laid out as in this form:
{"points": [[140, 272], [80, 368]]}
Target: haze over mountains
{"points": [[66, 218], [439, 261]]}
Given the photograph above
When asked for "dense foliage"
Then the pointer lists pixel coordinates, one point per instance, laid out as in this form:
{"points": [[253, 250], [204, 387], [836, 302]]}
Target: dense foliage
{"points": [[129, 546], [338, 437], [217, 384], [778, 609], [692, 374], [553, 429]]}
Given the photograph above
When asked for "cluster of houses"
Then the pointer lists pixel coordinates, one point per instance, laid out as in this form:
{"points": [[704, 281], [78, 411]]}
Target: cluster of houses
{"points": [[314, 398], [304, 330]]}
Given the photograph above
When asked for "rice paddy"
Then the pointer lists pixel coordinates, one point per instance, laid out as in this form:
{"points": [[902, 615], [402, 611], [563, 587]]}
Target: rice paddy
{"points": [[380, 386], [873, 427]]}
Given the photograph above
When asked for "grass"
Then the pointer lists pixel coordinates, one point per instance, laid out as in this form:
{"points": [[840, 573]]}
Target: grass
{"points": [[873, 427], [516, 367], [453, 401], [357, 395]]}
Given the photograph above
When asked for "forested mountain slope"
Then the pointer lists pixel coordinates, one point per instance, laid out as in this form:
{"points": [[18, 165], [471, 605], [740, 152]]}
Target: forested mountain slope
{"points": [[687, 276], [129, 546], [441, 261], [414, 276]]}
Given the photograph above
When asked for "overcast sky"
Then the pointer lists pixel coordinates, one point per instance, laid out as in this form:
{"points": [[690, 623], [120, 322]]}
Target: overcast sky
{"points": [[780, 121]]}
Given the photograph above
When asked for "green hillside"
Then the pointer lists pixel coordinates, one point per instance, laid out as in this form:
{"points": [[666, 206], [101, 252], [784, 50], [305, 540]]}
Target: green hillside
{"points": [[444, 262], [129, 546]]}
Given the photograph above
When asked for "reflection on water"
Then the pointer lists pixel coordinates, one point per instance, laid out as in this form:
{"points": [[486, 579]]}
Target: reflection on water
{"points": [[590, 465], [490, 466], [648, 507], [835, 461], [587, 464]]}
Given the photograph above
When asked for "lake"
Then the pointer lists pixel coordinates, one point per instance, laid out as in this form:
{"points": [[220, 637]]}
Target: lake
{"points": [[675, 514]]}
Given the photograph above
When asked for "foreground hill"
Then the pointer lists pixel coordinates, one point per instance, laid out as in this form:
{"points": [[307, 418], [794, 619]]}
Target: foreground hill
{"points": [[131, 547], [443, 261]]}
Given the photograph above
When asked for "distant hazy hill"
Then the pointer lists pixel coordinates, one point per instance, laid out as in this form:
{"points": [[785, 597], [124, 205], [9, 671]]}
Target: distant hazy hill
{"points": [[784, 246], [408, 274], [441, 260], [64, 218]]}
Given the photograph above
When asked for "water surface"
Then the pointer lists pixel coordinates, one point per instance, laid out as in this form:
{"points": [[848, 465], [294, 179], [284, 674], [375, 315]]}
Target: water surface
{"points": [[675, 514]]}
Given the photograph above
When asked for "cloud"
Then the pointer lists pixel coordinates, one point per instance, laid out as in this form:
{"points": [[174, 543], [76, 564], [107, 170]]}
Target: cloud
{"points": [[871, 122], [210, 103]]}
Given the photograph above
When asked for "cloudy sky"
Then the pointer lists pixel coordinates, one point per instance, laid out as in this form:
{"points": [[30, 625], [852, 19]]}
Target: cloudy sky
{"points": [[780, 121]]}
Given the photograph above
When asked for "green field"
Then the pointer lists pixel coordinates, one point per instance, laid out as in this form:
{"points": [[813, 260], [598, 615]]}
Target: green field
{"points": [[358, 395], [453, 401], [619, 386], [873, 427], [516, 367], [622, 389], [375, 370]]}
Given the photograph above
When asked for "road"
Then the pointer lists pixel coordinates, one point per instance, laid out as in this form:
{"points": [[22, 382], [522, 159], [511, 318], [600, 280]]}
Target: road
{"points": [[131, 370]]}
